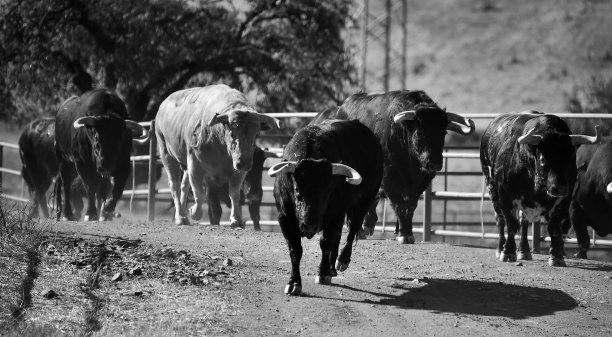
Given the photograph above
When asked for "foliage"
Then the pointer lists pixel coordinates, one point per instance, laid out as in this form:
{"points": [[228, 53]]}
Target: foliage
{"points": [[286, 54], [593, 97]]}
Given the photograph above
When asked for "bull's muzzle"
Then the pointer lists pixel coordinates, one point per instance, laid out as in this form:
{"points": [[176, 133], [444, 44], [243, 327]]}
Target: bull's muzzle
{"points": [[243, 165]]}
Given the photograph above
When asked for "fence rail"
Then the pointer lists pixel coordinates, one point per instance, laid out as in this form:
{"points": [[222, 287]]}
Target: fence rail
{"points": [[427, 231]]}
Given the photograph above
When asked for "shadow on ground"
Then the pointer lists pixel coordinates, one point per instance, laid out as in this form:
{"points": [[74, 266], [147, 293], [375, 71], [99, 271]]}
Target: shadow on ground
{"points": [[473, 297]]}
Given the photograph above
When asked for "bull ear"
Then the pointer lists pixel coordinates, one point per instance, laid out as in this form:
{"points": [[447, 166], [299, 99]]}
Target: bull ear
{"points": [[353, 177], [284, 166], [584, 139], [268, 122], [459, 124], [84, 121], [217, 118], [404, 116], [270, 154], [530, 138]]}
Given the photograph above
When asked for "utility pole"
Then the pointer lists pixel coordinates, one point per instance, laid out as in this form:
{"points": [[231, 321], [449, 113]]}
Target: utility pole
{"points": [[387, 45], [376, 34]]}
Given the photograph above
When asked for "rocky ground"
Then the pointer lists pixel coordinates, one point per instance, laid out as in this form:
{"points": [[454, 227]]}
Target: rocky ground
{"points": [[137, 278]]}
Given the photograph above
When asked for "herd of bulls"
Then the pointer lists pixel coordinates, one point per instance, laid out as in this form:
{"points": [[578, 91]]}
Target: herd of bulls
{"points": [[332, 172]]}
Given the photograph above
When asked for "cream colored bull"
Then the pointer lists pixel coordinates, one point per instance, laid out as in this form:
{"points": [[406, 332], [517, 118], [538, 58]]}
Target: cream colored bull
{"points": [[207, 135]]}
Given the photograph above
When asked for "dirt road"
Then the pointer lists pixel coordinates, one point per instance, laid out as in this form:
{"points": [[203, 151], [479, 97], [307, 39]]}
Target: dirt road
{"points": [[388, 290]]}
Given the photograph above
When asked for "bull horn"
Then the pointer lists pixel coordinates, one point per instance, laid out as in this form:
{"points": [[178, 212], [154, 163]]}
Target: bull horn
{"points": [[459, 124], [584, 139], [353, 177], [284, 166], [271, 122], [404, 116], [144, 134], [84, 121], [530, 138], [609, 188]]}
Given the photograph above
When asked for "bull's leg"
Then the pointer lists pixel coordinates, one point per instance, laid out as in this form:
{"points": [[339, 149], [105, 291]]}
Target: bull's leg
{"points": [[214, 204], [40, 200], [196, 178], [174, 171], [371, 218], [184, 190], [291, 232], [555, 230], [508, 254], [67, 176], [329, 241], [235, 185], [354, 218], [120, 177], [579, 220], [254, 206], [499, 221], [524, 252], [404, 210]]}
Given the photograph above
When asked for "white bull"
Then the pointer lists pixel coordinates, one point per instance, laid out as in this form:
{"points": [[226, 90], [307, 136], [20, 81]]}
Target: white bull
{"points": [[209, 134]]}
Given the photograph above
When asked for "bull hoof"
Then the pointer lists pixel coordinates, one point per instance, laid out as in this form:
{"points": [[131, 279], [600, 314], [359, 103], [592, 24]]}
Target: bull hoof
{"points": [[293, 289], [556, 262], [325, 280], [107, 216], [181, 221], [581, 255], [195, 212], [503, 257], [237, 224], [65, 218], [333, 273], [524, 256], [90, 218], [497, 254], [256, 228], [341, 266], [406, 239]]}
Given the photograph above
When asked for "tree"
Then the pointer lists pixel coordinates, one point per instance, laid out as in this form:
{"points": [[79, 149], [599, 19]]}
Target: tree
{"points": [[286, 54], [594, 97]]}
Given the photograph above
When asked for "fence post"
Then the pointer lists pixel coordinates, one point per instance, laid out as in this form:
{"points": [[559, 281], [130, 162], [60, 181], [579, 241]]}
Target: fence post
{"points": [[152, 173], [427, 214], [1, 164], [536, 237]]}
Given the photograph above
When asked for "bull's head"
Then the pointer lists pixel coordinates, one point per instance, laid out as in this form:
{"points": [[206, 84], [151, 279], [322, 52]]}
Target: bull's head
{"points": [[555, 159], [313, 185], [426, 127], [241, 129], [107, 135]]}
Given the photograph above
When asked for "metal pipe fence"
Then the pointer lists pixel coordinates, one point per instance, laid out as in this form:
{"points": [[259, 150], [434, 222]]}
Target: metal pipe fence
{"points": [[427, 230]]}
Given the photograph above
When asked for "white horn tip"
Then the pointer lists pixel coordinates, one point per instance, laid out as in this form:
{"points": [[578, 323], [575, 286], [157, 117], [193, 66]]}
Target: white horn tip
{"points": [[609, 188]]}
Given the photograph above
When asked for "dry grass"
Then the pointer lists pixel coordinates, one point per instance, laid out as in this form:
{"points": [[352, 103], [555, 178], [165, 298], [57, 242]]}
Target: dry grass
{"points": [[20, 239]]}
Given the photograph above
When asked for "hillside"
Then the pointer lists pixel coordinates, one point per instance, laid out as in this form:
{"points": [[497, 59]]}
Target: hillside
{"points": [[477, 56]]}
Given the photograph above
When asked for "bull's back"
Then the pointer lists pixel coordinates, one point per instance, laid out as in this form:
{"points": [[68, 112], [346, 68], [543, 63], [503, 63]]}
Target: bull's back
{"points": [[498, 142], [183, 111], [36, 148]]}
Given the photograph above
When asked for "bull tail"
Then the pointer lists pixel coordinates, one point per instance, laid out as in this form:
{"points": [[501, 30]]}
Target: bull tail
{"points": [[57, 189], [482, 231]]}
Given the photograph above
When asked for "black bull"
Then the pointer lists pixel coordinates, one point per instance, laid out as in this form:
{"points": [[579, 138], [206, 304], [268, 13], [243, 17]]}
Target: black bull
{"points": [[94, 138], [528, 160], [411, 129], [329, 171], [591, 203]]}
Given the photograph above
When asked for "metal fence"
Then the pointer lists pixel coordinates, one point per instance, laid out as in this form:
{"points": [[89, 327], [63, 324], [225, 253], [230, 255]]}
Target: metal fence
{"points": [[427, 230]]}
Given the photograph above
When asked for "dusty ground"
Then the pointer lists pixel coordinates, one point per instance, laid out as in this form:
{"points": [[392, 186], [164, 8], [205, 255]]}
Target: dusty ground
{"points": [[388, 290]]}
